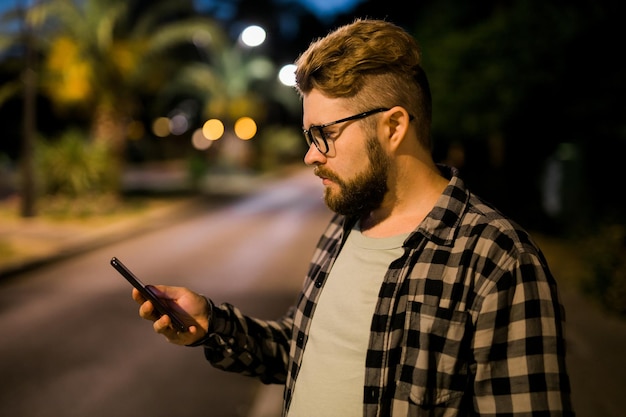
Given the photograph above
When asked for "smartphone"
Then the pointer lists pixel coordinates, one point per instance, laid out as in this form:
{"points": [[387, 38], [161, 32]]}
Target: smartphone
{"points": [[160, 306]]}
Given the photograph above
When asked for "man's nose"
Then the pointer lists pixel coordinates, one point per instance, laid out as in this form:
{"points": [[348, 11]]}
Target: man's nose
{"points": [[313, 156]]}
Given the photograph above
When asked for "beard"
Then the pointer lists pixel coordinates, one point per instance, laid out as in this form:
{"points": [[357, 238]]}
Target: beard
{"points": [[363, 193]]}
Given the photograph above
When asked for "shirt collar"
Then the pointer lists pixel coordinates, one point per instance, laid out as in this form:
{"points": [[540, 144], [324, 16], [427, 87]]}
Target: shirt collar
{"points": [[441, 224]]}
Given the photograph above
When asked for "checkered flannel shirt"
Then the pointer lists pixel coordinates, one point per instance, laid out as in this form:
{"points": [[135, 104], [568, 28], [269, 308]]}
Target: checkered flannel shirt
{"points": [[468, 321]]}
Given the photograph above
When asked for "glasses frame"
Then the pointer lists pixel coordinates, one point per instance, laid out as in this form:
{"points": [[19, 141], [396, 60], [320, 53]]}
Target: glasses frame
{"points": [[321, 143]]}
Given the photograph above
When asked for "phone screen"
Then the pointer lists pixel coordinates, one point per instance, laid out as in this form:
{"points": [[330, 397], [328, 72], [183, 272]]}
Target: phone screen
{"points": [[160, 306]]}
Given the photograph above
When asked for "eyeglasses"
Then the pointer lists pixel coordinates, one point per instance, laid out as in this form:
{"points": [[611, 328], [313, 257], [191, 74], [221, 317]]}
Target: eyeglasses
{"points": [[315, 134]]}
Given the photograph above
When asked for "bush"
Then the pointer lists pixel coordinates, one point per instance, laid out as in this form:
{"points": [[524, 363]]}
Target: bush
{"points": [[76, 177], [72, 166]]}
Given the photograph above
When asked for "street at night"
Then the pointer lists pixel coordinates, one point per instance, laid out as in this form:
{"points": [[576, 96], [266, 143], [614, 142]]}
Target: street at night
{"points": [[74, 345]]}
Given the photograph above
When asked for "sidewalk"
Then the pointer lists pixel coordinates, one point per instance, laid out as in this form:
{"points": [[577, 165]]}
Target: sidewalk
{"points": [[26, 243]]}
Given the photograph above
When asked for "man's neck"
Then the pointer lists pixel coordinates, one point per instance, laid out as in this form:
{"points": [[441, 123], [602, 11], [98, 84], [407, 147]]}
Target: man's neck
{"points": [[405, 206]]}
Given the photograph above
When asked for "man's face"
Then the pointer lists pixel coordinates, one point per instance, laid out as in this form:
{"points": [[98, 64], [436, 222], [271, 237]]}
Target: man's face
{"points": [[355, 169], [364, 191]]}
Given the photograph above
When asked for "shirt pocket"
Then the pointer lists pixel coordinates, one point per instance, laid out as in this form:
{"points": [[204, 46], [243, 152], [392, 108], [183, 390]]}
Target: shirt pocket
{"points": [[433, 370]]}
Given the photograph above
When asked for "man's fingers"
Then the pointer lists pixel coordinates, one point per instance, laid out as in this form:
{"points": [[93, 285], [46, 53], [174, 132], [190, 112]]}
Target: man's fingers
{"points": [[137, 296], [147, 311], [163, 325]]}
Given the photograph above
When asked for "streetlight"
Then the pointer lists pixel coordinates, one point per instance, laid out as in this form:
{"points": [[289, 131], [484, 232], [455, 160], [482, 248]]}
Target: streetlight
{"points": [[253, 36], [287, 75]]}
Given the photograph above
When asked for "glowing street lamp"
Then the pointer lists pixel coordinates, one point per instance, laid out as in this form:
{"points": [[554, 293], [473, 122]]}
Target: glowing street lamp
{"points": [[287, 75], [253, 36]]}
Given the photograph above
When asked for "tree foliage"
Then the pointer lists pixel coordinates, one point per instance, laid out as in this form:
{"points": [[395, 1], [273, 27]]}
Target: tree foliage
{"points": [[522, 78]]}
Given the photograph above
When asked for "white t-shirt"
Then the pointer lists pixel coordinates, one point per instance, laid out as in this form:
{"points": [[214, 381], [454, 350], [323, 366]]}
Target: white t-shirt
{"points": [[331, 378]]}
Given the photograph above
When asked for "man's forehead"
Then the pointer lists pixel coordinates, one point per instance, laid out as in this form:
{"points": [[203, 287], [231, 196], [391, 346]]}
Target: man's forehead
{"points": [[318, 108]]}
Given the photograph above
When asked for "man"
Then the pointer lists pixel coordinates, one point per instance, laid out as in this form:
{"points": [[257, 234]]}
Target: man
{"points": [[421, 299]]}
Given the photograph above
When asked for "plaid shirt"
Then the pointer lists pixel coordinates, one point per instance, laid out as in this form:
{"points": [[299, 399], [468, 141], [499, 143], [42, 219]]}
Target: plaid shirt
{"points": [[467, 322]]}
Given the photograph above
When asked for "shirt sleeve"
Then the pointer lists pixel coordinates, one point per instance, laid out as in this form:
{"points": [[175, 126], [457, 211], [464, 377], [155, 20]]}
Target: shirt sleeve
{"points": [[519, 344], [249, 346]]}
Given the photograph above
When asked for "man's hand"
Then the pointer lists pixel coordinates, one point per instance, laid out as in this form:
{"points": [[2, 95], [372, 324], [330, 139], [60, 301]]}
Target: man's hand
{"points": [[192, 308]]}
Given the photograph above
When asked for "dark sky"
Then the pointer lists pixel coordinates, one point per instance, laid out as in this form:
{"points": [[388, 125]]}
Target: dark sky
{"points": [[323, 9]]}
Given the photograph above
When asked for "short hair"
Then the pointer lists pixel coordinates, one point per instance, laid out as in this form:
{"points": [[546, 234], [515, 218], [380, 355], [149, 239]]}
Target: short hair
{"points": [[369, 61]]}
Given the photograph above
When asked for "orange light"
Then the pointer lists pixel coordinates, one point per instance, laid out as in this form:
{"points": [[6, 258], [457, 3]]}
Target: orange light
{"points": [[245, 128]]}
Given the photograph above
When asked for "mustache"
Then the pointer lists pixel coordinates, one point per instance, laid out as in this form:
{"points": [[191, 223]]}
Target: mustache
{"points": [[322, 172]]}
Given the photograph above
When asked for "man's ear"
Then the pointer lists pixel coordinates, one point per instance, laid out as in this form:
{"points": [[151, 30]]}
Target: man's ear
{"points": [[397, 121]]}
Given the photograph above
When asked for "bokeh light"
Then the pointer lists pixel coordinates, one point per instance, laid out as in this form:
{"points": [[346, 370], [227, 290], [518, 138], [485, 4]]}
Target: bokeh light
{"points": [[213, 129], [161, 127], [245, 128], [179, 124], [287, 75], [253, 36], [199, 141]]}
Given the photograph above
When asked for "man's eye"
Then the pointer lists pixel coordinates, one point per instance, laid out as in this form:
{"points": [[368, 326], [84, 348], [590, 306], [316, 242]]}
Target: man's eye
{"points": [[317, 134], [330, 133]]}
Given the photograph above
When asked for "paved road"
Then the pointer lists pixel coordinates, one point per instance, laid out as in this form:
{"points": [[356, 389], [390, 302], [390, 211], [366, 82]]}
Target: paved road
{"points": [[73, 345], [596, 358]]}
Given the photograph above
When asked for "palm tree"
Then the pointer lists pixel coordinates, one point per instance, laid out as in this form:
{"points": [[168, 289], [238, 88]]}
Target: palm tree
{"points": [[232, 82], [106, 53], [99, 58]]}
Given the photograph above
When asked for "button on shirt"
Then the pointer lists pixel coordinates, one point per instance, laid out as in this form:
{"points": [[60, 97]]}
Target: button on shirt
{"points": [[330, 382], [467, 321]]}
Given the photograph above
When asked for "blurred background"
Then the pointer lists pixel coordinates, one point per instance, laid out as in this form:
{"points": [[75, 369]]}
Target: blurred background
{"points": [[98, 97], [107, 103]]}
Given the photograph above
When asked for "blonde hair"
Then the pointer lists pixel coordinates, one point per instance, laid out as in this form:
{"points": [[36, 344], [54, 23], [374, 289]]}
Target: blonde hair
{"points": [[372, 63]]}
